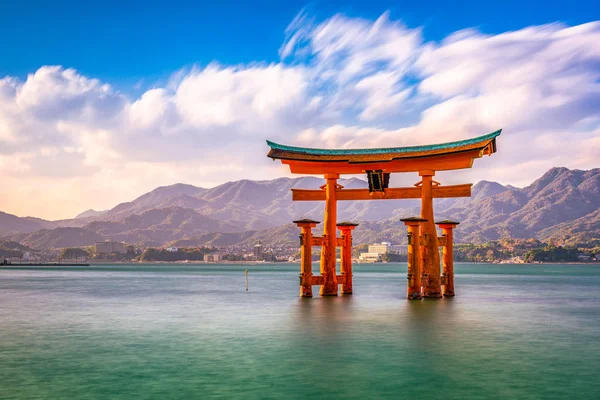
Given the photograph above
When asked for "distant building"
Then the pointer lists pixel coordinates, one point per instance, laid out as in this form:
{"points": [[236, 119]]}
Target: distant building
{"points": [[213, 257], [109, 247], [369, 257], [386, 247], [172, 249], [399, 249], [258, 250], [382, 248]]}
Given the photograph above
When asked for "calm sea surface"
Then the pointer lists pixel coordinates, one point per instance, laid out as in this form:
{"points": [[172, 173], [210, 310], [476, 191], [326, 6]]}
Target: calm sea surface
{"points": [[193, 332]]}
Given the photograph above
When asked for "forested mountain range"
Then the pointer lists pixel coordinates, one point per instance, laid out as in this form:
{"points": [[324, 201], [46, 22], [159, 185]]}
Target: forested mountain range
{"points": [[562, 205]]}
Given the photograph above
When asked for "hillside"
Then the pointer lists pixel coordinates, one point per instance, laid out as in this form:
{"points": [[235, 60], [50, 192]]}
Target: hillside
{"points": [[11, 224], [158, 226], [58, 238], [10, 249]]}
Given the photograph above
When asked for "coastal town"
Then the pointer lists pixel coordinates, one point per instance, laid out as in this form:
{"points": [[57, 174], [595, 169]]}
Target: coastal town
{"points": [[505, 251]]}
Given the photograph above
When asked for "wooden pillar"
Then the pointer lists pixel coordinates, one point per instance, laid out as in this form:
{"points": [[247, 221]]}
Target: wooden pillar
{"points": [[328, 258], [306, 255], [431, 258], [413, 291], [448, 257], [346, 236]]}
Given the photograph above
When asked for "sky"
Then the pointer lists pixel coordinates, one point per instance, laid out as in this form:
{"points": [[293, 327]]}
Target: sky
{"points": [[101, 102]]}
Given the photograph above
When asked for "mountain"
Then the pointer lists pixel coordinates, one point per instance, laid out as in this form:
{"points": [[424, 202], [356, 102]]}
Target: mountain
{"points": [[89, 213], [559, 196], [165, 196], [249, 205], [562, 205], [11, 224], [158, 226]]}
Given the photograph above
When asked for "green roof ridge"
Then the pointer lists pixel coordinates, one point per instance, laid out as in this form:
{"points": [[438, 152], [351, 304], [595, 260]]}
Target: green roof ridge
{"points": [[440, 146]]}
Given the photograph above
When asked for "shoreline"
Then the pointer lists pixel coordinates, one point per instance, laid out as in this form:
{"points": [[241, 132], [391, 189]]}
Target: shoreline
{"points": [[92, 263]]}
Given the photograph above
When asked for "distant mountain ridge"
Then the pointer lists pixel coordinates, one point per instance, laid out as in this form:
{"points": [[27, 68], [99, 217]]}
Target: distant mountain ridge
{"points": [[11, 224], [562, 205], [89, 213]]}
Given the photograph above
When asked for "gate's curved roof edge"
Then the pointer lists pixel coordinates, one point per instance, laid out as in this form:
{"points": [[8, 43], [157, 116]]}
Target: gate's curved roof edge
{"points": [[284, 152]]}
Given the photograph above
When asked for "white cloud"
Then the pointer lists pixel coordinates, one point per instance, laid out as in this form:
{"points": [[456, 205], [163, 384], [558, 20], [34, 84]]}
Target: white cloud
{"points": [[344, 82], [53, 92], [225, 96], [150, 108]]}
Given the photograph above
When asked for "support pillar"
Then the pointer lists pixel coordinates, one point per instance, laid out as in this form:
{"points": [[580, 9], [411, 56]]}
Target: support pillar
{"points": [[431, 258], [448, 257], [346, 236], [328, 257], [306, 255], [413, 291]]}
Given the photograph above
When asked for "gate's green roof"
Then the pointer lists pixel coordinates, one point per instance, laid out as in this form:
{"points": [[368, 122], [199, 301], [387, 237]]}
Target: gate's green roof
{"points": [[280, 151]]}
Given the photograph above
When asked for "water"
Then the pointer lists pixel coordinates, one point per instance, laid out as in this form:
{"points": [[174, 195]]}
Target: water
{"points": [[191, 332]]}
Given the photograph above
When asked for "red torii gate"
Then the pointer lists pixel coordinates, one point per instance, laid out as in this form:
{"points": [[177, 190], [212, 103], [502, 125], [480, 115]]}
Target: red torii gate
{"points": [[424, 279]]}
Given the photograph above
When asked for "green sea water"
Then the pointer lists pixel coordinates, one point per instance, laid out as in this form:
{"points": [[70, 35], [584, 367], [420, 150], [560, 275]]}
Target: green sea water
{"points": [[193, 332]]}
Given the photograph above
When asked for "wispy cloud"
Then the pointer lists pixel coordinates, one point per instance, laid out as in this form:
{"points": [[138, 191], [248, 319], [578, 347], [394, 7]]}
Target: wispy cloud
{"points": [[342, 82]]}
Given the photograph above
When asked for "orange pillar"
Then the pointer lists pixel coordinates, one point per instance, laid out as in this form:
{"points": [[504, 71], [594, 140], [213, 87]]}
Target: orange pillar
{"points": [[447, 226], [328, 258], [431, 263], [346, 235], [306, 256], [413, 291]]}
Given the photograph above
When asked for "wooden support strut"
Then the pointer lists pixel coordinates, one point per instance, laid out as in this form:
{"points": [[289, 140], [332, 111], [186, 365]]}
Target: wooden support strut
{"points": [[430, 255], [346, 256], [306, 277], [448, 257], [413, 290], [328, 251]]}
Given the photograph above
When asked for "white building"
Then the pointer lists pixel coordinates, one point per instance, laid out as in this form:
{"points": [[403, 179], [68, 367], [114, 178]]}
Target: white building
{"points": [[369, 257], [382, 248], [213, 257], [386, 247]]}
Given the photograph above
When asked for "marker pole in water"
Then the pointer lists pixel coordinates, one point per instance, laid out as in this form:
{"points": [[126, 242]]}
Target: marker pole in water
{"points": [[246, 272]]}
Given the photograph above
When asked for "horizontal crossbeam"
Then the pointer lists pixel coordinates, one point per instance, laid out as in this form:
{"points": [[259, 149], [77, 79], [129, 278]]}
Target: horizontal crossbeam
{"points": [[320, 241], [388, 194], [317, 280]]}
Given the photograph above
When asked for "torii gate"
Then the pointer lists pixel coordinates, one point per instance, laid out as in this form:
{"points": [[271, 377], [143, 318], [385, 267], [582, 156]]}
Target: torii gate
{"points": [[424, 279]]}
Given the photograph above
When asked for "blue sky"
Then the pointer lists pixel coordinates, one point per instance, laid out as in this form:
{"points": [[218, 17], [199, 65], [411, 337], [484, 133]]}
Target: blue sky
{"points": [[101, 102], [126, 41]]}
